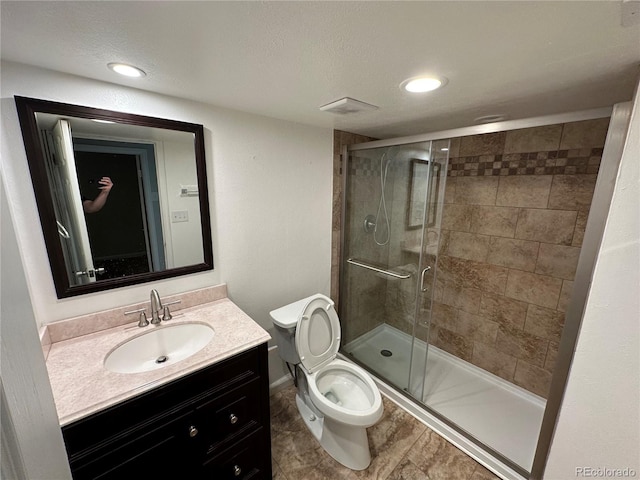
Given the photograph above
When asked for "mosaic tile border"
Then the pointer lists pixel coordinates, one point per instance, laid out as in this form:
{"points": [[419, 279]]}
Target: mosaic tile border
{"points": [[568, 162], [364, 167]]}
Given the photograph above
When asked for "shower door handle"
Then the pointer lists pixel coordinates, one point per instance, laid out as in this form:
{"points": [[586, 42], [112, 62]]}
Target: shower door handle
{"points": [[422, 287]]}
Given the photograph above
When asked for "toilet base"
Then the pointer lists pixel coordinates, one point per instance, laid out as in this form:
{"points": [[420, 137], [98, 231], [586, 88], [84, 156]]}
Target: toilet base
{"points": [[347, 444], [313, 421]]}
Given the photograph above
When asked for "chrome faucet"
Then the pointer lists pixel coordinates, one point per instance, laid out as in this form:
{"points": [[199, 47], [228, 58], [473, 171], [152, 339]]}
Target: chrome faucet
{"points": [[156, 307]]}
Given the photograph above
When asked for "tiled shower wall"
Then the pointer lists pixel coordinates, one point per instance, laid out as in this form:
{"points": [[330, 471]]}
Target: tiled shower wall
{"points": [[340, 139], [516, 206], [515, 210]]}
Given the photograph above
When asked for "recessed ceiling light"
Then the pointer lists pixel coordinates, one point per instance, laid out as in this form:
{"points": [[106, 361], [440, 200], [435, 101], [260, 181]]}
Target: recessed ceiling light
{"points": [[423, 84], [102, 121], [126, 70], [490, 119], [444, 149]]}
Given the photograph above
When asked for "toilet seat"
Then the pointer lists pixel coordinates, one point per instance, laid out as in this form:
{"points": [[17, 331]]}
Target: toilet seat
{"points": [[317, 335], [364, 415]]}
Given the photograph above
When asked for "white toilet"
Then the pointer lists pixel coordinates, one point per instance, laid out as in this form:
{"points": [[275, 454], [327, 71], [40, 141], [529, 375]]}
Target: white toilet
{"points": [[337, 400]]}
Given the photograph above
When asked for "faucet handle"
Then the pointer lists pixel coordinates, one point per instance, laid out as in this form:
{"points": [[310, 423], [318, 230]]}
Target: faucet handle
{"points": [[142, 321], [166, 313]]}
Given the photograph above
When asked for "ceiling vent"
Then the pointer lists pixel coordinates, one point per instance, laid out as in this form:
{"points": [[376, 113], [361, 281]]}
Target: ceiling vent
{"points": [[347, 105]]}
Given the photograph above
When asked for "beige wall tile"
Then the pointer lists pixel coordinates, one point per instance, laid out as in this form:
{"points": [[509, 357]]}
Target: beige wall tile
{"points": [[565, 295], [549, 226], [450, 190], [475, 327], [467, 299], [498, 363], [422, 332], [468, 245], [456, 217], [476, 190], [442, 315], [454, 147], [552, 356], [507, 252], [533, 378], [438, 290], [572, 192], [535, 139], [470, 274], [524, 191], [557, 261], [532, 288], [584, 134], [503, 310], [522, 345], [485, 144], [544, 322], [453, 343], [581, 225], [497, 221]]}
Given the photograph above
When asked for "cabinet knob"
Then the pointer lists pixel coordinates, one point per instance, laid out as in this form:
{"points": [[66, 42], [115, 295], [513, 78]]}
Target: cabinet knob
{"points": [[193, 431], [233, 419], [236, 470]]}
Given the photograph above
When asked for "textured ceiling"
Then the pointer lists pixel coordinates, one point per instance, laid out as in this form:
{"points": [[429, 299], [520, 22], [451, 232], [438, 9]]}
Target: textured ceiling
{"points": [[286, 59]]}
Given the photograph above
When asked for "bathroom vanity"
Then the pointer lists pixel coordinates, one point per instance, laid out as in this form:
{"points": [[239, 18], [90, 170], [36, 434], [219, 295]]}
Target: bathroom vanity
{"points": [[206, 416]]}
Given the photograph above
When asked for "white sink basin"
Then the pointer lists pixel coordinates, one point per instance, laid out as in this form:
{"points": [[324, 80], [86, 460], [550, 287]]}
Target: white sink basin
{"points": [[158, 348]]}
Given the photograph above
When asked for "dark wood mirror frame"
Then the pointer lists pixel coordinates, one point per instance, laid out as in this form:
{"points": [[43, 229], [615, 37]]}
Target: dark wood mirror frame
{"points": [[27, 109]]}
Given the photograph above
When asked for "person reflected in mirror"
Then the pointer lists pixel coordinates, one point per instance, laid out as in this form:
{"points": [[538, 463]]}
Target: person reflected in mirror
{"points": [[95, 205]]}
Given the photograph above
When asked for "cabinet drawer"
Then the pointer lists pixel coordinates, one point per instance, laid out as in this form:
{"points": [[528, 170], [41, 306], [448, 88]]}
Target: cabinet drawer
{"points": [[243, 461], [223, 420]]}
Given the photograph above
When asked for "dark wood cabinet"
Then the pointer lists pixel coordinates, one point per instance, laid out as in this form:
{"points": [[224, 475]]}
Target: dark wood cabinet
{"points": [[210, 424]]}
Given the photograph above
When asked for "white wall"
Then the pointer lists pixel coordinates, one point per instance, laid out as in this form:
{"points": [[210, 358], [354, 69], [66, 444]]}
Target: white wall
{"points": [[598, 425], [32, 444], [269, 192], [180, 169]]}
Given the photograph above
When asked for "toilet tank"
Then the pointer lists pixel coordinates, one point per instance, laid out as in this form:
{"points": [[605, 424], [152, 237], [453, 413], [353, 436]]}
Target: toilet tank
{"points": [[285, 321]]}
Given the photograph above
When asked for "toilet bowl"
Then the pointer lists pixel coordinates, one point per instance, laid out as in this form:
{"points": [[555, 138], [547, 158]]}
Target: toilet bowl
{"points": [[337, 399]]}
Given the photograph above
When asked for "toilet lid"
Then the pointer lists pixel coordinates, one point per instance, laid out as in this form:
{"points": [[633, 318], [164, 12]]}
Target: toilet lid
{"points": [[318, 333]]}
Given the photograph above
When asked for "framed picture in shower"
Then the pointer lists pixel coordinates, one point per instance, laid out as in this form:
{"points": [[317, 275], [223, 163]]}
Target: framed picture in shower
{"points": [[422, 194]]}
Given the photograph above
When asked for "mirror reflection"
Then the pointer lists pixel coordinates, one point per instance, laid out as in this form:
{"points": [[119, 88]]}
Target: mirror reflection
{"points": [[125, 200]]}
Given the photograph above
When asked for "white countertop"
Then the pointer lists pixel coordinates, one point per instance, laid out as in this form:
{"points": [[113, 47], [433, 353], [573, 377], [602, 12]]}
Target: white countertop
{"points": [[82, 386]]}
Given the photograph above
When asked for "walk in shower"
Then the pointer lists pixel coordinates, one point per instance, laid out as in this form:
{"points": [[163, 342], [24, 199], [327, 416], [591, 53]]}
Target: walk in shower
{"points": [[458, 260]]}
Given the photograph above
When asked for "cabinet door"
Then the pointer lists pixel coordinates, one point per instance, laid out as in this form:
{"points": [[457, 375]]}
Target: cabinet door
{"points": [[162, 453]]}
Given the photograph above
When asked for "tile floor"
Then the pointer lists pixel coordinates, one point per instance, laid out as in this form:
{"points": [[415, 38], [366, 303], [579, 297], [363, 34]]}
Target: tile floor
{"points": [[402, 448]]}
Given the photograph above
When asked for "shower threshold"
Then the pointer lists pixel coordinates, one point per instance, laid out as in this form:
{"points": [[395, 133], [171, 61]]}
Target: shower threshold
{"points": [[497, 413]]}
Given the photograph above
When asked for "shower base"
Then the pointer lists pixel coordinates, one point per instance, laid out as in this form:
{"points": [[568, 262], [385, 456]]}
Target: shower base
{"points": [[501, 415]]}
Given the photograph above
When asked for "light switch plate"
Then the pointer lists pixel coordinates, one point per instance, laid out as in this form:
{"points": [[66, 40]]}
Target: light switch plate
{"points": [[179, 216]]}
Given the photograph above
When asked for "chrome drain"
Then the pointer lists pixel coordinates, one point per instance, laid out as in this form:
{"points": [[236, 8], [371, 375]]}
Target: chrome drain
{"points": [[386, 353], [162, 359]]}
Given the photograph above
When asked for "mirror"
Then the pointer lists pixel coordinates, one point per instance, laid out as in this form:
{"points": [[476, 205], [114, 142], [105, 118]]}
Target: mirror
{"points": [[122, 198]]}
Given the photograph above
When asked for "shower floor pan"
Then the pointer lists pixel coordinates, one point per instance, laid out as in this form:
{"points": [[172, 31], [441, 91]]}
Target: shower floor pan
{"points": [[501, 415]]}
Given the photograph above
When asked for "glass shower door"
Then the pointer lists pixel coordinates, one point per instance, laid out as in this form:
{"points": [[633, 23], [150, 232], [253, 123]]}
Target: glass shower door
{"points": [[389, 205]]}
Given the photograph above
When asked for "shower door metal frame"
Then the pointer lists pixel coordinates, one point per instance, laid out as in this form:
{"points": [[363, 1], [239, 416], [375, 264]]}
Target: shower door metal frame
{"points": [[619, 119]]}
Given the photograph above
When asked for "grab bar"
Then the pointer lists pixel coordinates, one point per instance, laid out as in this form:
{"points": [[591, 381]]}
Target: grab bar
{"points": [[390, 273]]}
